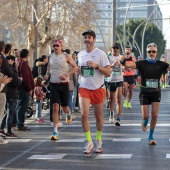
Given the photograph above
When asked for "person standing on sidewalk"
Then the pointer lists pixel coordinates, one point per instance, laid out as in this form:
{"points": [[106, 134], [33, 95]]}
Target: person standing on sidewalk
{"points": [[12, 98], [6, 75], [58, 70], [115, 84], [93, 66], [25, 90], [150, 70]]}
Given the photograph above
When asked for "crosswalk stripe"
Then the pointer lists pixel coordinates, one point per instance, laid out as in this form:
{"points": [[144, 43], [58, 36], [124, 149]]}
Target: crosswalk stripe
{"points": [[43, 157], [105, 125], [126, 140], [167, 156], [71, 140], [114, 156], [18, 140]]}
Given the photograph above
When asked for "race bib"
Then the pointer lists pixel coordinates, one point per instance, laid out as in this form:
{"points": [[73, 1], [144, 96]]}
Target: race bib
{"points": [[152, 83], [87, 71], [116, 71]]}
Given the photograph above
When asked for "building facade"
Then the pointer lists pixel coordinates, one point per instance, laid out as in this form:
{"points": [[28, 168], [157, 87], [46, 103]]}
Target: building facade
{"points": [[138, 9]]}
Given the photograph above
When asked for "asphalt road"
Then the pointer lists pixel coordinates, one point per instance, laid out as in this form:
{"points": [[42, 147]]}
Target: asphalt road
{"points": [[124, 148]]}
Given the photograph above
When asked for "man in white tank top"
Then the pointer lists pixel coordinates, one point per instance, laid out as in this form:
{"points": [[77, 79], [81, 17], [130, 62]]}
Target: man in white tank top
{"points": [[59, 72], [93, 66], [115, 84]]}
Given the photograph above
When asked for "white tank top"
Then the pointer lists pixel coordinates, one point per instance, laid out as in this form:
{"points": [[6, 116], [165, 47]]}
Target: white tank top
{"points": [[116, 71], [58, 67]]}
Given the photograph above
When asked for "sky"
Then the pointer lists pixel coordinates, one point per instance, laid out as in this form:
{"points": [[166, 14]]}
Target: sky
{"points": [[165, 9]]}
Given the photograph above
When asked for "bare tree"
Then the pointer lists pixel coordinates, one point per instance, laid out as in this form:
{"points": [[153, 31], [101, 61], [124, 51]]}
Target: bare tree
{"points": [[56, 19]]}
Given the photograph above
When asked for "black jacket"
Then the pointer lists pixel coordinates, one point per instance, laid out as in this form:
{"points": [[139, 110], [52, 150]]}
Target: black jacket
{"points": [[12, 87], [6, 69]]}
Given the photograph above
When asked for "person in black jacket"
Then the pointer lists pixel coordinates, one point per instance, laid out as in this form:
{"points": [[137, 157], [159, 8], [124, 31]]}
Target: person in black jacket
{"points": [[12, 97], [6, 70]]}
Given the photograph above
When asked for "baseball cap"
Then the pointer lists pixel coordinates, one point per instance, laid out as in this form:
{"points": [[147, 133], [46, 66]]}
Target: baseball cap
{"points": [[116, 45], [89, 32], [57, 42]]}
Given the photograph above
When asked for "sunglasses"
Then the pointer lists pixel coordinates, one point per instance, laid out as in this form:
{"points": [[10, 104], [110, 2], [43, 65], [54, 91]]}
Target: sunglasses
{"points": [[56, 45], [115, 47], [151, 51]]}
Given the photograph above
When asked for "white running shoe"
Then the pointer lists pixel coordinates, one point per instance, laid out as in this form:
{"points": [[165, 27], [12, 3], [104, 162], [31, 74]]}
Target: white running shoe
{"points": [[99, 147], [88, 147], [111, 118]]}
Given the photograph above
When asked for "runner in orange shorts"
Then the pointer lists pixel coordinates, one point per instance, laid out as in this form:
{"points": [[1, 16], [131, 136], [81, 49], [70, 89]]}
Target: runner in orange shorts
{"points": [[93, 66]]}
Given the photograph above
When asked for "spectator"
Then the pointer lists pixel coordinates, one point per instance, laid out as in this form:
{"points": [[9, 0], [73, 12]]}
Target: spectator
{"points": [[25, 90]]}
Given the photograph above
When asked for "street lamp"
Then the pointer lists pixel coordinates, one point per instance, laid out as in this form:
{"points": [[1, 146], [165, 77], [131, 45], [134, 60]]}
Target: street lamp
{"points": [[124, 28], [143, 35]]}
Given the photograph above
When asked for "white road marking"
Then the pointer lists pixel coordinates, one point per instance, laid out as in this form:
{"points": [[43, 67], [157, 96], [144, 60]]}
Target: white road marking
{"points": [[105, 125], [114, 156], [167, 156], [126, 140], [18, 140], [71, 140], [43, 157]]}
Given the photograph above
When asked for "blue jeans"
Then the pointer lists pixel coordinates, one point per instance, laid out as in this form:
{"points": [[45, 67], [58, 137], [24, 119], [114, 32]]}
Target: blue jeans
{"points": [[22, 106], [38, 109], [76, 97], [7, 118], [70, 101]]}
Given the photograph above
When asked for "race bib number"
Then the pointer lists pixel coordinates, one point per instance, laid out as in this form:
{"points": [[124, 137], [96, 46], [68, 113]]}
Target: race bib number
{"points": [[116, 71], [152, 83], [87, 71]]}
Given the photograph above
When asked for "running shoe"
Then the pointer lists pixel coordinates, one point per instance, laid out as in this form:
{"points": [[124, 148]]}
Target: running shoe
{"points": [[163, 85], [2, 133], [68, 118], [40, 120], [55, 136], [99, 147], [11, 136], [111, 118], [152, 142], [129, 105], [125, 104], [144, 128], [117, 122], [88, 147], [3, 141]]}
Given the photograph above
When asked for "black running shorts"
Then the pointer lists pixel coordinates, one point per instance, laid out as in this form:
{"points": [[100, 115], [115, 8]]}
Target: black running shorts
{"points": [[129, 79], [146, 98], [59, 94], [113, 86]]}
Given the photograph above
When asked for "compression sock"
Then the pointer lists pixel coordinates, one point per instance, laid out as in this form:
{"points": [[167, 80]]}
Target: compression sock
{"points": [[88, 136], [145, 122], [151, 134], [99, 135]]}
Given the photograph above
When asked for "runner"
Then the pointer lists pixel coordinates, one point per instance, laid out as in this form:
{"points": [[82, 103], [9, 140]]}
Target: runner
{"points": [[93, 66], [115, 84], [128, 79], [150, 71], [59, 72]]}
